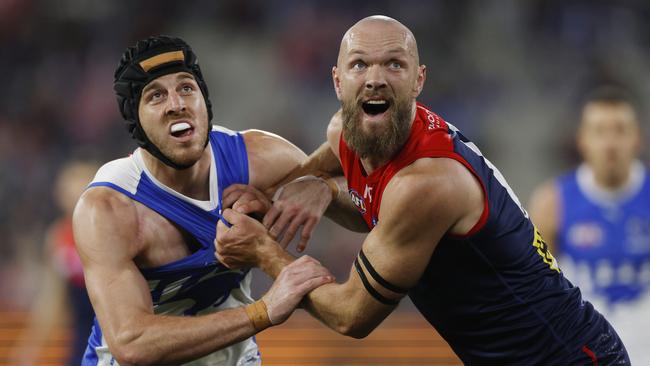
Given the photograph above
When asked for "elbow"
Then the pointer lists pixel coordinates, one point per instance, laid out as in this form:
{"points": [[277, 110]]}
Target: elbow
{"points": [[354, 329], [126, 351]]}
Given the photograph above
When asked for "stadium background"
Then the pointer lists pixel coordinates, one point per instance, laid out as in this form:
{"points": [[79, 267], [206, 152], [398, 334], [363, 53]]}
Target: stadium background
{"points": [[508, 73]]}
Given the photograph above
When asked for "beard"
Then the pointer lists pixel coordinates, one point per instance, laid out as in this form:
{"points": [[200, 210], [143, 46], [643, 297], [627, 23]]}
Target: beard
{"points": [[382, 145]]}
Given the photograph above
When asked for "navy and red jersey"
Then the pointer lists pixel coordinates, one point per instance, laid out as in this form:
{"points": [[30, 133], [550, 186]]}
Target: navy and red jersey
{"points": [[496, 294]]}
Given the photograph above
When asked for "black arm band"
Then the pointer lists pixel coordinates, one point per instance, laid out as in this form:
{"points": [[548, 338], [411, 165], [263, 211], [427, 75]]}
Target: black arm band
{"points": [[379, 297], [380, 280]]}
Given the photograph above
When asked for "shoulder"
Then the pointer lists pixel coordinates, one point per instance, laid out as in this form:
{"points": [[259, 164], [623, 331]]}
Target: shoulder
{"points": [[123, 173], [258, 140], [270, 157], [104, 216], [432, 189], [545, 198], [334, 129]]}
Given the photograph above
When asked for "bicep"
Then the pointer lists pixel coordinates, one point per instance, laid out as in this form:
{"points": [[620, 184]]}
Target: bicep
{"points": [[270, 158], [419, 207]]}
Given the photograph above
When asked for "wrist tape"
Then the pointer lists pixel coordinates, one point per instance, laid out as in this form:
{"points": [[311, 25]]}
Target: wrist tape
{"points": [[258, 315]]}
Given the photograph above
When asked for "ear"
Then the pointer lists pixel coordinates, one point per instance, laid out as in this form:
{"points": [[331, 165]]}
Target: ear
{"points": [[337, 82], [419, 82]]}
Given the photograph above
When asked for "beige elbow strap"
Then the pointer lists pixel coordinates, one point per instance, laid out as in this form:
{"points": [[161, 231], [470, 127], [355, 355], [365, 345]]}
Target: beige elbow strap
{"points": [[258, 315]]}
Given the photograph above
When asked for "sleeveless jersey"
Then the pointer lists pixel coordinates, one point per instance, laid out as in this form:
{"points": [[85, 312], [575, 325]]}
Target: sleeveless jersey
{"points": [[605, 241], [496, 295], [197, 284]]}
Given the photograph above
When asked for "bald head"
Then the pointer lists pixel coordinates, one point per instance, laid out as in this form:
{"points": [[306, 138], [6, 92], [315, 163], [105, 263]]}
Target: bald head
{"points": [[378, 29]]}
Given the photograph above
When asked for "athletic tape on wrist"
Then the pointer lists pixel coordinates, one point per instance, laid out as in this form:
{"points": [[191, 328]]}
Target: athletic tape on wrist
{"points": [[258, 315]]}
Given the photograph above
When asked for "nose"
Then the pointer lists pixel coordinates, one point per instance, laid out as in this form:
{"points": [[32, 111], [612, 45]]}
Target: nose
{"points": [[175, 103], [375, 79]]}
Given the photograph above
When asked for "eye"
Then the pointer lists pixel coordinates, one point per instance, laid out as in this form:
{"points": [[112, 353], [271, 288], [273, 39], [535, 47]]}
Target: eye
{"points": [[156, 95], [187, 88], [395, 65], [358, 65]]}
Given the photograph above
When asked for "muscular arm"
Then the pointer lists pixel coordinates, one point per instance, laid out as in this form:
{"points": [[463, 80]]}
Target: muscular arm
{"points": [[545, 210], [420, 204], [108, 239]]}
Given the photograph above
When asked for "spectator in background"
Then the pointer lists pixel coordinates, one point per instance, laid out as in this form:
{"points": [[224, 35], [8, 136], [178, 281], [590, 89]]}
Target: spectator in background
{"points": [[62, 298], [597, 217]]}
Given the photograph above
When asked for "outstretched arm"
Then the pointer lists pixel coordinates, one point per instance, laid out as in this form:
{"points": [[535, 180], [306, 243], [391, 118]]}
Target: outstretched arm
{"points": [[108, 239], [398, 249]]}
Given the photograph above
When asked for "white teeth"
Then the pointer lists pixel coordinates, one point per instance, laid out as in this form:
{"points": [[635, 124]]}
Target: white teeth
{"points": [[180, 126], [376, 102]]}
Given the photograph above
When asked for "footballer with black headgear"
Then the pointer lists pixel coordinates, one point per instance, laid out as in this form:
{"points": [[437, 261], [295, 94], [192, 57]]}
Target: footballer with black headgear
{"points": [[144, 62], [145, 227]]}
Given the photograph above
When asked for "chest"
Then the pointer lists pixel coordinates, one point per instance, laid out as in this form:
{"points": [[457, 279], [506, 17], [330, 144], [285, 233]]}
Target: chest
{"points": [[366, 197], [162, 241], [593, 231]]}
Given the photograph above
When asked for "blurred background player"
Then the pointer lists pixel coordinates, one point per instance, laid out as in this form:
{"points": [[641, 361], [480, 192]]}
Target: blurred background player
{"points": [[62, 299], [597, 217]]}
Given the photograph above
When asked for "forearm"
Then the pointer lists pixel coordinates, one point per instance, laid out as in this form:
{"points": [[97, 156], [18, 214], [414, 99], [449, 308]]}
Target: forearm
{"points": [[162, 340], [342, 307]]}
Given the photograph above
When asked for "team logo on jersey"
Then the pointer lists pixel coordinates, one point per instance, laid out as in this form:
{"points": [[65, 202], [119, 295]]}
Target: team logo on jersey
{"points": [[434, 120], [358, 201], [367, 193], [585, 235], [542, 250]]}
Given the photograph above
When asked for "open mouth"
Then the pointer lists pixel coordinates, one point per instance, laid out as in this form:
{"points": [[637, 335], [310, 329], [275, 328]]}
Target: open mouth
{"points": [[181, 129], [374, 107]]}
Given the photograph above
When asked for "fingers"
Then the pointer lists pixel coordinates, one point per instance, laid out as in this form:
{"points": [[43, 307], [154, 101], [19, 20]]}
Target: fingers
{"points": [[271, 216], [232, 217], [291, 231], [231, 194], [249, 206], [307, 231], [280, 224], [313, 283]]}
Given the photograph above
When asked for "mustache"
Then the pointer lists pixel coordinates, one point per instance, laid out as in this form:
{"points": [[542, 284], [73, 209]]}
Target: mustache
{"points": [[179, 115], [374, 94]]}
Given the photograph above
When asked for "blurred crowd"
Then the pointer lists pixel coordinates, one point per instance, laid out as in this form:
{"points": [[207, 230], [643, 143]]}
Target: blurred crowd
{"points": [[508, 73]]}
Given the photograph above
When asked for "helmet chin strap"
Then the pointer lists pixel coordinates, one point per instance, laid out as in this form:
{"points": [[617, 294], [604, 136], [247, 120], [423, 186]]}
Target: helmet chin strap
{"points": [[146, 144]]}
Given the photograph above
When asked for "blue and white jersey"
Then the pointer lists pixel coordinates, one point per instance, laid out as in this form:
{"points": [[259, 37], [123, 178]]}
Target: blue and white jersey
{"points": [[604, 237], [197, 284]]}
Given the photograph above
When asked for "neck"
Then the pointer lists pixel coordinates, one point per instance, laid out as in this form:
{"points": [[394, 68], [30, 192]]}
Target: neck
{"points": [[192, 182], [612, 182], [372, 163]]}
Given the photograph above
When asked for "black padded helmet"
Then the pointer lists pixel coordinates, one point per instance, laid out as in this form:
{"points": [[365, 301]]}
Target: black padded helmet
{"points": [[140, 64]]}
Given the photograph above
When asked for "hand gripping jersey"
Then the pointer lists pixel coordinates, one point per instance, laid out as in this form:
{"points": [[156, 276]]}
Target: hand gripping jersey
{"points": [[604, 242], [197, 284], [496, 294]]}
